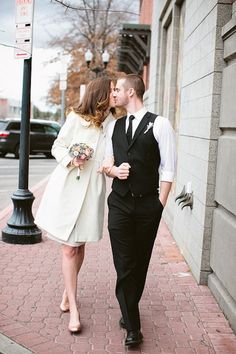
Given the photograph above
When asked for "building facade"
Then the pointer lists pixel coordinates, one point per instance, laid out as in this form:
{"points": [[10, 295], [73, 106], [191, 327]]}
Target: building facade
{"points": [[9, 108], [192, 80]]}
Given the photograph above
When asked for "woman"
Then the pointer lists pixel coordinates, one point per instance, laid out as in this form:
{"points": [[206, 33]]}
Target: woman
{"points": [[72, 210]]}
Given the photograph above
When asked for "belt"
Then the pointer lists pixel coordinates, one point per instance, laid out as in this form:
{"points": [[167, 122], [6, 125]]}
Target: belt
{"points": [[136, 195]]}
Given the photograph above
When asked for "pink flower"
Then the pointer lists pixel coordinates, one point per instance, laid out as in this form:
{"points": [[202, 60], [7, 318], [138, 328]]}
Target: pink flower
{"points": [[81, 151]]}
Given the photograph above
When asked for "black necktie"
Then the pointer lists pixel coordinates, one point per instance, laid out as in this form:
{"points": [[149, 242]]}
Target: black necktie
{"points": [[129, 130]]}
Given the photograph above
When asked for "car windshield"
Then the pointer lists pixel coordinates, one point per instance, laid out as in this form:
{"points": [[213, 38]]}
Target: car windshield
{"points": [[3, 125]]}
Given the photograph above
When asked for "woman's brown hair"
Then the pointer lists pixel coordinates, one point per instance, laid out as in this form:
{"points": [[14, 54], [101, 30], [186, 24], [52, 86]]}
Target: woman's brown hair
{"points": [[95, 103]]}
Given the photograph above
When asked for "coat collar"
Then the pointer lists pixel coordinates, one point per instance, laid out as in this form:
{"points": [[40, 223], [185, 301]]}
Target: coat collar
{"points": [[108, 119], [84, 122]]}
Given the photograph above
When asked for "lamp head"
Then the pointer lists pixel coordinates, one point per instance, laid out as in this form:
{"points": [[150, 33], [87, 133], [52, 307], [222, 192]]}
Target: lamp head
{"points": [[105, 57], [88, 56]]}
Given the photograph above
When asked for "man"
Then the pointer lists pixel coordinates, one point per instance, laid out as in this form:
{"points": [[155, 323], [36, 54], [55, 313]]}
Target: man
{"points": [[140, 143]]}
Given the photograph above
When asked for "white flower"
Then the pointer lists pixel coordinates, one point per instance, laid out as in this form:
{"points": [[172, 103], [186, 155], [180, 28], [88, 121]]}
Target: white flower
{"points": [[149, 126], [75, 153]]}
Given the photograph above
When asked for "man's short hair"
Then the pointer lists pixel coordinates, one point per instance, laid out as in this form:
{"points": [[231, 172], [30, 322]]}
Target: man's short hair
{"points": [[136, 82]]}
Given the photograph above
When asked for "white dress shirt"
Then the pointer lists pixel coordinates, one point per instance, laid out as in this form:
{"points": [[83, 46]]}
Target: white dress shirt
{"points": [[164, 135]]}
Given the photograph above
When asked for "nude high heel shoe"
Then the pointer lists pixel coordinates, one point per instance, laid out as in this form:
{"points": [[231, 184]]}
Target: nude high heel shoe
{"points": [[64, 306], [73, 329]]}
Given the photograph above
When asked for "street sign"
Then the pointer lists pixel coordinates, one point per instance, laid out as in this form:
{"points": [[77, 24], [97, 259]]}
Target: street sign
{"points": [[63, 76], [23, 48], [24, 11], [23, 31], [63, 73], [24, 28], [62, 85]]}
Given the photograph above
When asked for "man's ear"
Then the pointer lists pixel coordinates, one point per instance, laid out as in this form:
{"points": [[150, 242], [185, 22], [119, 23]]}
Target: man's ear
{"points": [[130, 91]]}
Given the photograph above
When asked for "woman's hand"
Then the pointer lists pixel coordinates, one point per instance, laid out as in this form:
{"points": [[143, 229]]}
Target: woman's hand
{"points": [[76, 162], [106, 165]]}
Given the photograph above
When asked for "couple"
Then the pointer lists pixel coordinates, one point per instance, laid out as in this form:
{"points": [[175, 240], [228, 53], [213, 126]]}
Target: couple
{"points": [[135, 148]]}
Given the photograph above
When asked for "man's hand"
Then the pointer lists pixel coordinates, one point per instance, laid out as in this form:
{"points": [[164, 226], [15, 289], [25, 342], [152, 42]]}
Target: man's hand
{"points": [[121, 172], [165, 188]]}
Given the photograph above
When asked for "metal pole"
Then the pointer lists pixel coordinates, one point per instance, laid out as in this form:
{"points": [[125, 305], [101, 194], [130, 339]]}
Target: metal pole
{"points": [[21, 228], [62, 107], [25, 127]]}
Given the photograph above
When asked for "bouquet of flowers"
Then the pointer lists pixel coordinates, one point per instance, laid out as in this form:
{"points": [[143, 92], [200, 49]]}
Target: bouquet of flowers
{"points": [[82, 152]]}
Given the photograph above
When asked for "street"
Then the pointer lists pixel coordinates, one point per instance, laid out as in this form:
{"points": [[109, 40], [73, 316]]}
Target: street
{"points": [[39, 168]]}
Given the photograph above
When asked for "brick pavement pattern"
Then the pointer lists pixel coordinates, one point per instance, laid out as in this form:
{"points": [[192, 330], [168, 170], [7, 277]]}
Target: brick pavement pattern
{"points": [[178, 316]]}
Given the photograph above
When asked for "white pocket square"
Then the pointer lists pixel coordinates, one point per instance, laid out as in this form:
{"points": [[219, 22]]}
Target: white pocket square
{"points": [[149, 126]]}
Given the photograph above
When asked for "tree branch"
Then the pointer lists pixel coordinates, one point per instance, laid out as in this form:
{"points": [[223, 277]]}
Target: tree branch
{"points": [[68, 6]]}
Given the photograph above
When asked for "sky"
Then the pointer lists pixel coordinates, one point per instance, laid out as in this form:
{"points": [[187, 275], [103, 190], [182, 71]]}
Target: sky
{"points": [[49, 19]]}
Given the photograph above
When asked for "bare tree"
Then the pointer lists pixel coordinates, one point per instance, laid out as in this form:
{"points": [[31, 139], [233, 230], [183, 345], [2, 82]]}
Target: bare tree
{"points": [[94, 25]]}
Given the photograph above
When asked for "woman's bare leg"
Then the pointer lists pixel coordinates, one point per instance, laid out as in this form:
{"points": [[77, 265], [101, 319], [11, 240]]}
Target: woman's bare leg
{"points": [[80, 257], [72, 259], [64, 306]]}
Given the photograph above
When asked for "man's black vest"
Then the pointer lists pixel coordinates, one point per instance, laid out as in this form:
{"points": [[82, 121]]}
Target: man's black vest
{"points": [[142, 154]]}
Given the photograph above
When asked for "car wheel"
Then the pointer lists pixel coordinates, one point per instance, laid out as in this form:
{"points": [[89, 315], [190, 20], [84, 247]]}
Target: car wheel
{"points": [[17, 151]]}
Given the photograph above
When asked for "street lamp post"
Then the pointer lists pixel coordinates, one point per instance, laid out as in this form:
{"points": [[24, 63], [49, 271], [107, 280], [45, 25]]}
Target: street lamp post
{"points": [[21, 228], [98, 70], [63, 86]]}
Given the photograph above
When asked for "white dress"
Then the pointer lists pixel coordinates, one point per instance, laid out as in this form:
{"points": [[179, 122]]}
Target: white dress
{"points": [[71, 210], [86, 215]]}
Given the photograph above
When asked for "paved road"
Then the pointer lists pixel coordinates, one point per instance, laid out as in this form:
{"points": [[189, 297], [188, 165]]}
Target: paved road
{"points": [[39, 168]]}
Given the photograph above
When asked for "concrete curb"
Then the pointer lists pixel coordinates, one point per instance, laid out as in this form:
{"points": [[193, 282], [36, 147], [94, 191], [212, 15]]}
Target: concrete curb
{"points": [[7, 346]]}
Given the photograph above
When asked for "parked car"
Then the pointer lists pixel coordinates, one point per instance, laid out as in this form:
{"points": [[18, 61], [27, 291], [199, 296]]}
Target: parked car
{"points": [[42, 135]]}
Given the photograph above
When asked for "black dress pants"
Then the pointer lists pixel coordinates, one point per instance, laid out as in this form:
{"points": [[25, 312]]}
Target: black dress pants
{"points": [[133, 223]]}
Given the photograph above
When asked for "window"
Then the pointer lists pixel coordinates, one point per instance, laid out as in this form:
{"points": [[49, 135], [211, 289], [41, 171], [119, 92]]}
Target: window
{"points": [[179, 67], [171, 51], [14, 126], [3, 125], [167, 72], [50, 130], [36, 128]]}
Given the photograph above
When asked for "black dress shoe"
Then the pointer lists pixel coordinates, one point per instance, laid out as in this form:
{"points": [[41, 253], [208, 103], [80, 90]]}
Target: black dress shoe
{"points": [[122, 323], [133, 338]]}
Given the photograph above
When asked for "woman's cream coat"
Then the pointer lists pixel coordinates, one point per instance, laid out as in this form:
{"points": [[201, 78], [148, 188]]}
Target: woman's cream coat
{"points": [[67, 199]]}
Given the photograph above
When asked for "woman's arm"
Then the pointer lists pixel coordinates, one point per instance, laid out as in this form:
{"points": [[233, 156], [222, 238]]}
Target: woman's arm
{"points": [[61, 144]]}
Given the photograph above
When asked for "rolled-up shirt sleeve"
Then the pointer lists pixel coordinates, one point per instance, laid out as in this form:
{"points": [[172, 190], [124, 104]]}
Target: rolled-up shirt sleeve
{"points": [[109, 147], [165, 136]]}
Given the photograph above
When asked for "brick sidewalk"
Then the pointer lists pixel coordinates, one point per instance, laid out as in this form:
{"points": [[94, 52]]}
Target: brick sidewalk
{"points": [[178, 316]]}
